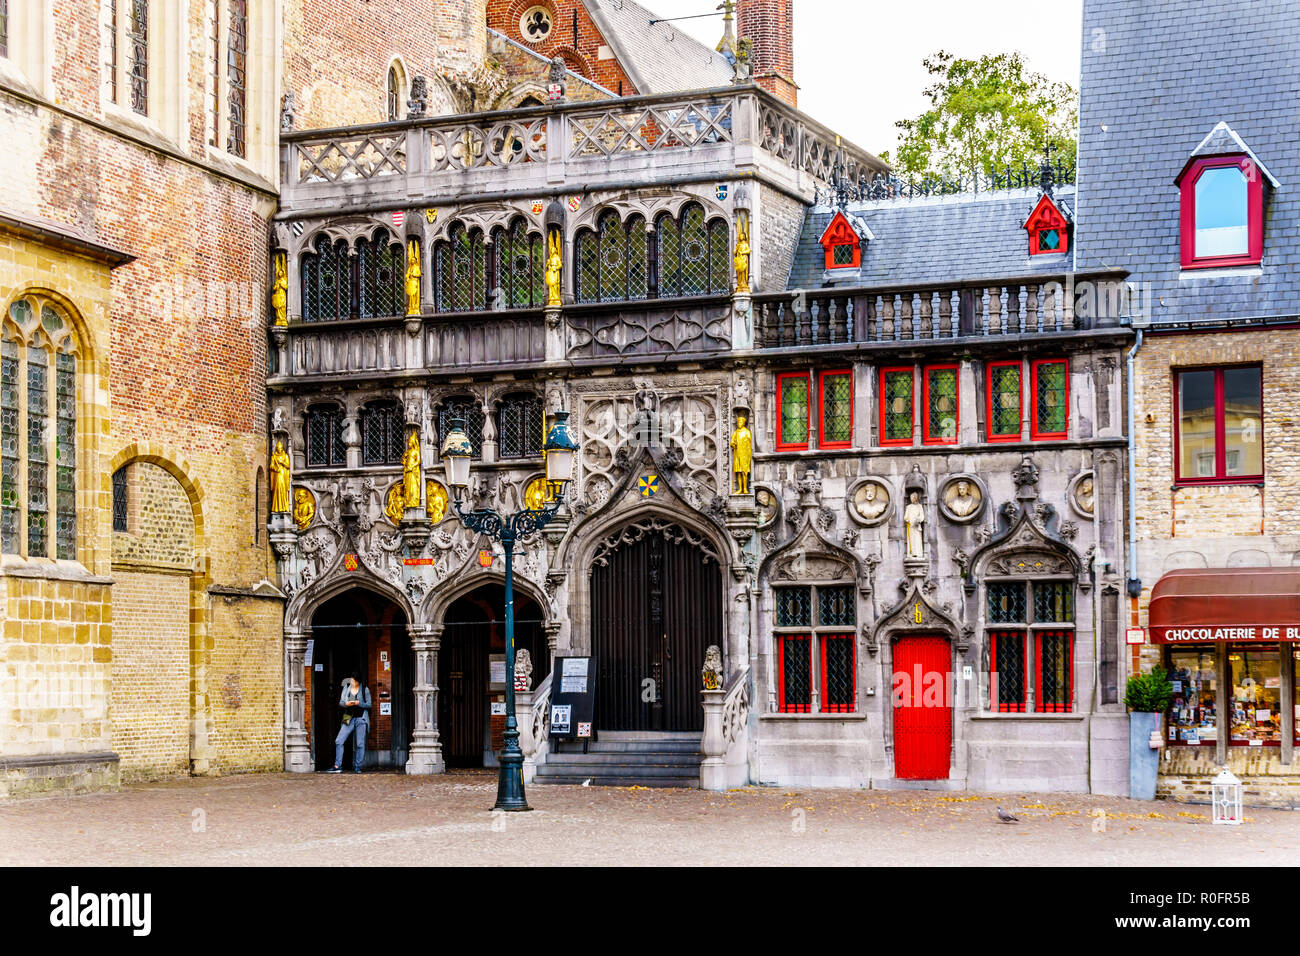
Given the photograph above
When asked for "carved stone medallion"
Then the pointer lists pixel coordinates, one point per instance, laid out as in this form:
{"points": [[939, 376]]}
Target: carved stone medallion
{"points": [[870, 502], [962, 498]]}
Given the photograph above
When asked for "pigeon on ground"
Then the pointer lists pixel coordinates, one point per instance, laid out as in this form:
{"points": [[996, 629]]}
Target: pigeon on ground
{"points": [[1006, 817], [587, 782]]}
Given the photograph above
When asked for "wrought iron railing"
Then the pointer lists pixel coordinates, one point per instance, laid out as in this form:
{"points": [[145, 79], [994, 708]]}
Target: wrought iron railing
{"points": [[845, 187]]}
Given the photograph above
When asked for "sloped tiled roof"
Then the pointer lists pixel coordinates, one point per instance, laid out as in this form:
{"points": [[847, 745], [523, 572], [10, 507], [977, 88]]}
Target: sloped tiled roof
{"points": [[1167, 73], [945, 239], [658, 57]]}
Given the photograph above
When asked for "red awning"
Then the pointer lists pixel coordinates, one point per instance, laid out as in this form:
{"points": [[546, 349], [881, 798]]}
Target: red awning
{"points": [[1226, 604]]}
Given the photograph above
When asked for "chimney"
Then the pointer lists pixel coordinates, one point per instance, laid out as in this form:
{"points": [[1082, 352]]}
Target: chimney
{"points": [[769, 26]]}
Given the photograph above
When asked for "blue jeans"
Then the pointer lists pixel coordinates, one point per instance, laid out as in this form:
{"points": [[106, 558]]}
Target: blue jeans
{"points": [[358, 743]]}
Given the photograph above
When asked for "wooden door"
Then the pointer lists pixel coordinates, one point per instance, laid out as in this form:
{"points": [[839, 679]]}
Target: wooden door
{"points": [[462, 693], [656, 606], [922, 707]]}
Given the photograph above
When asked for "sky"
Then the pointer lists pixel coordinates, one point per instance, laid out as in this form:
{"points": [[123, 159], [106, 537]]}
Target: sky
{"points": [[858, 62]]}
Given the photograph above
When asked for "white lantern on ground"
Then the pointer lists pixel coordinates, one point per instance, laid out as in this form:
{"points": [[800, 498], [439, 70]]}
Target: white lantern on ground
{"points": [[1226, 793]]}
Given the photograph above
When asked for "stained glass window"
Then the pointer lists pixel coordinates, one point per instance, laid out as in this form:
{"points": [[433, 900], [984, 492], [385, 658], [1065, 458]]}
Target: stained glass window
{"points": [[1007, 667], [612, 265], [38, 494], [796, 676], [835, 606], [383, 438], [941, 404], [326, 281], [794, 411], [65, 456], [460, 271], [119, 500], [1049, 240], [1004, 400], [382, 266], [519, 428], [1050, 398], [842, 254], [10, 509], [693, 257], [214, 71], [794, 607], [1007, 602], [325, 436], [470, 412], [837, 409], [237, 76], [521, 268], [896, 411], [1053, 602], [394, 94], [838, 677], [1049, 673], [1054, 671], [137, 64]]}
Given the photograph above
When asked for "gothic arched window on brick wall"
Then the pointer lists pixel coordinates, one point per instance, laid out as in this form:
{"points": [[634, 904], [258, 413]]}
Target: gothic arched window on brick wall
{"points": [[471, 412], [324, 430], [612, 261], [381, 265], [38, 432], [694, 258], [326, 281], [460, 271], [520, 267], [382, 438], [519, 426]]}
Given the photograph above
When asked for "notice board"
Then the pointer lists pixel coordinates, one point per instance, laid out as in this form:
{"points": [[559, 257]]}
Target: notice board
{"points": [[573, 698]]}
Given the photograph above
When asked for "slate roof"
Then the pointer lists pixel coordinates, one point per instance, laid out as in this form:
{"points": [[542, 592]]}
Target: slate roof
{"points": [[659, 57], [1159, 76], [943, 239]]}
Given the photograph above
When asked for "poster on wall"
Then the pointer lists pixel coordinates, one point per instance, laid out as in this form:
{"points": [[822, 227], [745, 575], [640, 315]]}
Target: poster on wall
{"points": [[576, 695], [560, 714]]}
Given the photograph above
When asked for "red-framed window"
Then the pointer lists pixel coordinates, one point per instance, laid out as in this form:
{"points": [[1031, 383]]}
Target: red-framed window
{"points": [[1051, 389], [1048, 229], [835, 408], [939, 398], [1221, 218], [841, 244], [792, 421], [1054, 662], [1219, 425], [897, 398], [1004, 404], [794, 673], [1008, 676], [1031, 645], [839, 674]]}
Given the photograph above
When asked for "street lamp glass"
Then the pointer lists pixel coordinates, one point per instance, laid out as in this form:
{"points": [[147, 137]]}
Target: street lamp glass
{"points": [[560, 448], [456, 453]]}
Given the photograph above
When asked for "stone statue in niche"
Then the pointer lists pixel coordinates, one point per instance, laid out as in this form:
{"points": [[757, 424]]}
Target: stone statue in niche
{"points": [[1084, 495], [280, 465], [870, 500], [914, 524], [963, 498], [742, 457]]}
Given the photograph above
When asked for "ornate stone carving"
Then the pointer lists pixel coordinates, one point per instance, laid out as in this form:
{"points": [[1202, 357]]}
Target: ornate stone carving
{"points": [[712, 676], [810, 489], [1069, 530], [656, 331], [769, 505], [288, 110], [962, 559], [524, 669], [304, 508], [637, 530], [1082, 494], [869, 502], [962, 499], [418, 103], [823, 519], [1025, 475], [914, 526]]}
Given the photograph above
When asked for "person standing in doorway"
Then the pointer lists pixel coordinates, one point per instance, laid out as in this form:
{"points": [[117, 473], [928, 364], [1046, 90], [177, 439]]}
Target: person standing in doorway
{"points": [[355, 704]]}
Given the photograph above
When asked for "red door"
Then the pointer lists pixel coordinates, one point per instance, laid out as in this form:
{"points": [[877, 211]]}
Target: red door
{"points": [[922, 698]]}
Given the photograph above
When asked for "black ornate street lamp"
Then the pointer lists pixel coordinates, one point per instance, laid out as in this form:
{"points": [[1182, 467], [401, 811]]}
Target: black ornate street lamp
{"points": [[456, 454]]}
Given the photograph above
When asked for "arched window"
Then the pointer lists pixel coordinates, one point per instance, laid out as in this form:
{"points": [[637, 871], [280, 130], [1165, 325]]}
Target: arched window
{"points": [[325, 436], [521, 264], [382, 438], [326, 281], [38, 432], [612, 260], [396, 90], [460, 271], [382, 268], [694, 259], [519, 426], [466, 408]]}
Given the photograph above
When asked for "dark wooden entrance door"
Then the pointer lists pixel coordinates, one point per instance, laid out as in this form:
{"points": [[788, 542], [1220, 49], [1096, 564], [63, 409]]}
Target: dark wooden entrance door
{"points": [[656, 605], [922, 707], [462, 692]]}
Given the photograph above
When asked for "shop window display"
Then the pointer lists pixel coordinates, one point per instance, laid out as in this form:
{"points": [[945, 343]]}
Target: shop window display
{"points": [[1192, 715], [1256, 717]]}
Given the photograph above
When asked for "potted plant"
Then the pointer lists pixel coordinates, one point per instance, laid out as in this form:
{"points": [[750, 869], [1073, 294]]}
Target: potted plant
{"points": [[1147, 697]]}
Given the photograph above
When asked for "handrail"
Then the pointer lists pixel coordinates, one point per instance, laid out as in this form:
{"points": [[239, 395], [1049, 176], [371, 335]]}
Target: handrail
{"points": [[540, 716], [735, 705]]}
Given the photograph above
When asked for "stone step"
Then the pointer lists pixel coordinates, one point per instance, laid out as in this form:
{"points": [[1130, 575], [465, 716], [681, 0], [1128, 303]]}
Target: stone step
{"points": [[577, 780]]}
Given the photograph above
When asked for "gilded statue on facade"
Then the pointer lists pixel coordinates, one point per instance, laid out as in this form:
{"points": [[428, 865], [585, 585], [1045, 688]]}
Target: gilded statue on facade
{"points": [[280, 291], [280, 496], [554, 268], [413, 274], [435, 496], [304, 508], [536, 495], [395, 504], [411, 470], [742, 255], [742, 456]]}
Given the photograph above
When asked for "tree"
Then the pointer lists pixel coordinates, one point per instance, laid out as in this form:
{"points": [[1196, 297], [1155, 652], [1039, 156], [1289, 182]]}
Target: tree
{"points": [[987, 114]]}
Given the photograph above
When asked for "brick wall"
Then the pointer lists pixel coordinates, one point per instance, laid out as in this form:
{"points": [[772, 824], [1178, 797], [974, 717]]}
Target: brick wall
{"points": [[582, 57], [780, 222], [244, 683], [770, 25]]}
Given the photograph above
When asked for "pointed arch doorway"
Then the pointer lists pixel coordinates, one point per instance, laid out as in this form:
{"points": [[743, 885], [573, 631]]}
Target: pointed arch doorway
{"points": [[656, 606]]}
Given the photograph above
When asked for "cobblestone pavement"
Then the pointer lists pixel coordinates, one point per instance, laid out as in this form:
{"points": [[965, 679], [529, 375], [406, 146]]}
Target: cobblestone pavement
{"points": [[394, 820]]}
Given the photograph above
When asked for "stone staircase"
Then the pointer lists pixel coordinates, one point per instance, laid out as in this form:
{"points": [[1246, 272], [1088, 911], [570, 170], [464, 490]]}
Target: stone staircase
{"points": [[627, 758]]}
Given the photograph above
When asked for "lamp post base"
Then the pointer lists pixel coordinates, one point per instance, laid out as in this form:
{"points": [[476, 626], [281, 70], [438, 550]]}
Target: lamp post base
{"points": [[510, 784]]}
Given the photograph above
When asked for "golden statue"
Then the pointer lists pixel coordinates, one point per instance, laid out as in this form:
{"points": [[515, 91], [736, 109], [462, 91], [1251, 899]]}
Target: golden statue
{"points": [[395, 504], [536, 494], [280, 291], [742, 456], [435, 501], [411, 470], [304, 508], [742, 255], [413, 277], [280, 497], [554, 268]]}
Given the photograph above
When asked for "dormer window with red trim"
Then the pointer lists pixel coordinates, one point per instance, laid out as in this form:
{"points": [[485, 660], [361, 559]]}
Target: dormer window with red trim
{"points": [[1048, 228], [1222, 212], [842, 244]]}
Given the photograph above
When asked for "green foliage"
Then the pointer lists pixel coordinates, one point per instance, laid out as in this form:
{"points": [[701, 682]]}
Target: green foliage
{"points": [[1149, 693], [987, 114]]}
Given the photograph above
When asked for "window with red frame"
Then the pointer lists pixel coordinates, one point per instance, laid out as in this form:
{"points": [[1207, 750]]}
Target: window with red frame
{"points": [[1051, 387], [1218, 428], [836, 403], [1221, 221], [939, 387], [1004, 398], [816, 623], [897, 388], [792, 411], [1044, 611]]}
